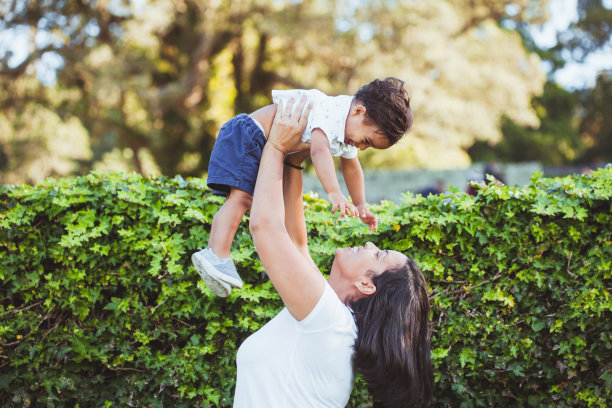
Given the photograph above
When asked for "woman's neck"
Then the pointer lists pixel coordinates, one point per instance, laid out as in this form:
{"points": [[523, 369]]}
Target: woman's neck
{"points": [[344, 290]]}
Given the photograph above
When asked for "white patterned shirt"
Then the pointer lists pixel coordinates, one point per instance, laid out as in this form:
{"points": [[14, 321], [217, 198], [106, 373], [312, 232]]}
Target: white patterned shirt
{"points": [[328, 113]]}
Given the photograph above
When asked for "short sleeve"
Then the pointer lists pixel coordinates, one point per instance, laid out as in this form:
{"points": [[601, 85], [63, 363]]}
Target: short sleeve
{"points": [[330, 116], [350, 152], [314, 97], [329, 312], [328, 113]]}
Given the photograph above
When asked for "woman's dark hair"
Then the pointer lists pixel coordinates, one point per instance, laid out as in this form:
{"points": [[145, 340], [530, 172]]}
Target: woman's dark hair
{"points": [[392, 350], [387, 106]]}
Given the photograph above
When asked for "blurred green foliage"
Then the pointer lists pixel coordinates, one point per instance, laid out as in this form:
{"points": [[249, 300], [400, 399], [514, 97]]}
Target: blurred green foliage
{"points": [[100, 306], [574, 125], [596, 127], [145, 85], [555, 141], [574, 128]]}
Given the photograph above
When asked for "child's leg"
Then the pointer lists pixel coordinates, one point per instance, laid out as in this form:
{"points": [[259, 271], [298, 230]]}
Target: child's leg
{"points": [[226, 221], [233, 164]]}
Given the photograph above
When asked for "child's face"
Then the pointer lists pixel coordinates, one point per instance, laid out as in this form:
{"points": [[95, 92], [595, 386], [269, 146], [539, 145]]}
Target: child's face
{"points": [[359, 133]]}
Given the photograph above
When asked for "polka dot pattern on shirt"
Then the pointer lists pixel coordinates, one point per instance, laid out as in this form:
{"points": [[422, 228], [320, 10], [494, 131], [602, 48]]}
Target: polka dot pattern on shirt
{"points": [[328, 113]]}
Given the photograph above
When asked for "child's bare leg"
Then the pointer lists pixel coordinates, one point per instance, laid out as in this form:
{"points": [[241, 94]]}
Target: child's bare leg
{"points": [[226, 221]]}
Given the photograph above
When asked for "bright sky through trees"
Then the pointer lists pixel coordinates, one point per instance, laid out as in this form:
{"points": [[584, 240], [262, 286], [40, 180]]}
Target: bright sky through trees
{"points": [[573, 75], [145, 85]]}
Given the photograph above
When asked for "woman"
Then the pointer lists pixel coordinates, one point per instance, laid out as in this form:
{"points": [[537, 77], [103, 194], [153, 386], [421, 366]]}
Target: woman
{"points": [[372, 314]]}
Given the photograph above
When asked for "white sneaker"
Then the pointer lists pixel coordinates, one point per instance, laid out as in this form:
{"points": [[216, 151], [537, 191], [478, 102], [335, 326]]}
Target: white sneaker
{"points": [[218, 274]]}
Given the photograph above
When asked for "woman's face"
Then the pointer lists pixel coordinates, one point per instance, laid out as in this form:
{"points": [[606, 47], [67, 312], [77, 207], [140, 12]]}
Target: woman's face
{"points": [[355, 263]]}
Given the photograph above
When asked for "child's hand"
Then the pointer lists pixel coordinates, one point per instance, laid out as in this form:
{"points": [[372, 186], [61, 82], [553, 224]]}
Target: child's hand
{"points": [[341, 204], [367, 217]]}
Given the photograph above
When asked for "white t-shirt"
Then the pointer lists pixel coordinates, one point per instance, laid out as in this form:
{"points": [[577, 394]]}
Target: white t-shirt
{"points": [[328, 113], [306, 364]]}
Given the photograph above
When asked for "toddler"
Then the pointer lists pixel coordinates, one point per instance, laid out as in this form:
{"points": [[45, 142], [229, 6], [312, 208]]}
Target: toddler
{"points": [[377, 116]]}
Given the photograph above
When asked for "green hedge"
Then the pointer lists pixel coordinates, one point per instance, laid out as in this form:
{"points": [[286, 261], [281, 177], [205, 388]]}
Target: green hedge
{"points": [[100, 306]]}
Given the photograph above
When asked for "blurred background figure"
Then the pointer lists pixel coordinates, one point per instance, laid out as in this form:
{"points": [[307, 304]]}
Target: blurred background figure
{"points": [[493, 169], [479, 179], [436, 188], [475, 180]]}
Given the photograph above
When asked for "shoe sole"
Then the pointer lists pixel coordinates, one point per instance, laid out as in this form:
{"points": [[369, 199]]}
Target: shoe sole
{"points": [[210, 269], [210, 276]]}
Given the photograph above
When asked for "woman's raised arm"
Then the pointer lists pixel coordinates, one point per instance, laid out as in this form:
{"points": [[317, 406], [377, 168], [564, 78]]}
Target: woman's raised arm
{"points": [[298, 282], [295, 222]]}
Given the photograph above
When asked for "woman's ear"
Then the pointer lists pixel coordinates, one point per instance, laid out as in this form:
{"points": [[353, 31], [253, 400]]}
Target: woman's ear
{"points": [[366, 287], [358, 110]]}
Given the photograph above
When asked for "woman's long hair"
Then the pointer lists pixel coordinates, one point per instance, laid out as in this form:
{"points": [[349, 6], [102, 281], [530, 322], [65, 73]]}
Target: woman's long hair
{"points": [[392, 350]]}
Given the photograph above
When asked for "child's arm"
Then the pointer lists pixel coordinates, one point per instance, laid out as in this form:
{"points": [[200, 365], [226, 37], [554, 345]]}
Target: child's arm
{"points": [[323, 163], [353, 177]]}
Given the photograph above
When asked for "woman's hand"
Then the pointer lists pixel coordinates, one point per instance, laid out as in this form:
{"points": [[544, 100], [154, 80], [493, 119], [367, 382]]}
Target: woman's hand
{"points": [[288, 126]]}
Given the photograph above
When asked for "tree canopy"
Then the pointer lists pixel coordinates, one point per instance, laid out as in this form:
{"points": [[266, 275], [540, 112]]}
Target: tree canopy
{"points": [[145, 86], [574, 125]]}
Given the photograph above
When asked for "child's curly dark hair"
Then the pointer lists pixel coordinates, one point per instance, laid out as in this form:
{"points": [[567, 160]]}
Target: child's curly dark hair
{"points": [[387, 106]]}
